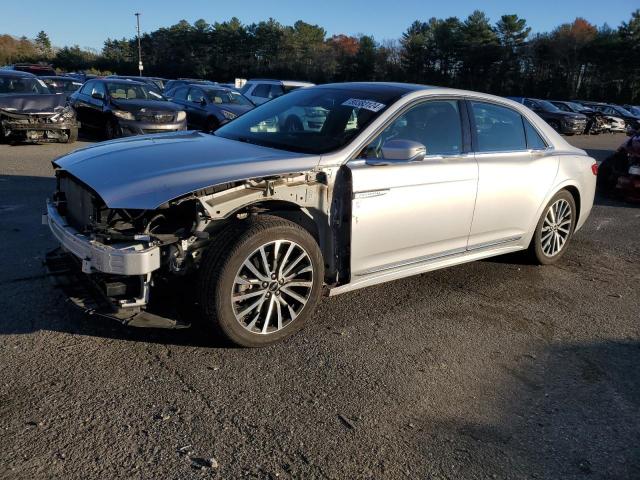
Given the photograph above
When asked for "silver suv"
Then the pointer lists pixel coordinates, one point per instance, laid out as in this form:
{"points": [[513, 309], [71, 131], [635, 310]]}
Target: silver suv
{"points": [[260, 91], [253, 224]]}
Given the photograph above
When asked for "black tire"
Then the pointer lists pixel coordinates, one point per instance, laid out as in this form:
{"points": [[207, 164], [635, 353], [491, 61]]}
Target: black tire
{"points": [[211, 125], [72, 136], [225, 259], [537, 246], [111, 129]]}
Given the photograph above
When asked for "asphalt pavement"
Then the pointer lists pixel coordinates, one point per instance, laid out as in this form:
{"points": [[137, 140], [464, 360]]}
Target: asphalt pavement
{"points": [[496, 369]]}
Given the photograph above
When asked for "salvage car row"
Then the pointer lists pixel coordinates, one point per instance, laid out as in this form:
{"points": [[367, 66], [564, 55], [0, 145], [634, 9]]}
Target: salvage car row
{"points": [[35, 101]]}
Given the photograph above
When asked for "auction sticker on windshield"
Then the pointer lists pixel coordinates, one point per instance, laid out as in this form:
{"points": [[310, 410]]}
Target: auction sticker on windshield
{"points": [[366, 104]]}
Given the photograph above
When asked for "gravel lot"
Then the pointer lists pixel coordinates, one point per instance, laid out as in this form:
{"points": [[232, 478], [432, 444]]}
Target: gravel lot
{"points": [[495, 369]]}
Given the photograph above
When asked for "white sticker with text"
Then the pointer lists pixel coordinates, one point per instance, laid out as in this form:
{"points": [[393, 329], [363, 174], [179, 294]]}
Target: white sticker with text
{"points": [[366, 104]]}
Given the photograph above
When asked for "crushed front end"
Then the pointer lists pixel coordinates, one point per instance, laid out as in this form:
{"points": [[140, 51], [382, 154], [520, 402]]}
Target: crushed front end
{"points": [[37, 119], [110, 260]]}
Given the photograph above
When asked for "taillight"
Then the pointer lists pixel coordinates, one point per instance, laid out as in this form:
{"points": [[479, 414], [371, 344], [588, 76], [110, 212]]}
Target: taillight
{"points": [[594, 169]]}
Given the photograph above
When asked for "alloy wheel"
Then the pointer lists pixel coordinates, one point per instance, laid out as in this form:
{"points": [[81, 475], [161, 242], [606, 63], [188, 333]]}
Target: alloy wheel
{"points": [[272, 287], [556, 228]]}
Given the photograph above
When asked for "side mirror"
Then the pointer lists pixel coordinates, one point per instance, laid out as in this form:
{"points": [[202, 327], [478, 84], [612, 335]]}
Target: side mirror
{"points": [[202, 101], [400, 151], [97, 96]]}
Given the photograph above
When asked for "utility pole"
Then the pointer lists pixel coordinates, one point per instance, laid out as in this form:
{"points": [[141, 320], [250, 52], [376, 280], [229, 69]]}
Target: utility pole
{"points": [[139, 48]]}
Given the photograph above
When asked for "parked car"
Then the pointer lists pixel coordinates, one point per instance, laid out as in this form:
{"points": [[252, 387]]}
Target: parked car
{"points": [[171, 85], [209, 107], [123, 107], [259, 223], [261, 90], [81, 76], [567, 123], [149, 82], [62, 85], [29, 112], [597, 122], [632, 121], [37, 69], [634, 109], [619, 173]]}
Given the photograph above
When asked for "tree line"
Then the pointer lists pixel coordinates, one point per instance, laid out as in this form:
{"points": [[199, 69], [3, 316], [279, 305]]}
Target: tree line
{"points": [[574, 60]]}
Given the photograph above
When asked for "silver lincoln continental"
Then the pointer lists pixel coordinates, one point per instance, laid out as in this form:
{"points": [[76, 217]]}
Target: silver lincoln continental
{"points": [[248, 226]]}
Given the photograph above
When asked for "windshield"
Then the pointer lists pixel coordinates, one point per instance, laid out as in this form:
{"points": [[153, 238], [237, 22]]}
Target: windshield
{"points": [[309, 120], [133, 91], [548, 106], [62, 86], [21, 86], [226, 97], [635, 110], [579, 108]]}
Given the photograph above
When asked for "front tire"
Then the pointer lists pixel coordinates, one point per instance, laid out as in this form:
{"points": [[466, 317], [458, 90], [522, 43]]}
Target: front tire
{"points": [[554, 229], [111, 129], [72, 136], [261, 281]]}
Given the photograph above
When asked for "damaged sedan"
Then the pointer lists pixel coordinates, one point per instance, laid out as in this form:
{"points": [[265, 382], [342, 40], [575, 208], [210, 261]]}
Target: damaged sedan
{"points": [[251, 225], [29, 112]]}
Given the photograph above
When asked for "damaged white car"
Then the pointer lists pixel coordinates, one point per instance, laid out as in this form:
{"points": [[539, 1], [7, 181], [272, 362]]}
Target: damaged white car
{"points": [[253, 225]]}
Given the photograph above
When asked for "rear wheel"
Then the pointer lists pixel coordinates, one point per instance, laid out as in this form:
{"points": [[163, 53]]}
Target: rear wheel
{"points": [[554, 229], [261, 281]]}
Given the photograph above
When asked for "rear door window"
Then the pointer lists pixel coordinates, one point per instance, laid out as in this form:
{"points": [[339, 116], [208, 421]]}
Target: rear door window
{"points": [[534, 140], [497, 128]]}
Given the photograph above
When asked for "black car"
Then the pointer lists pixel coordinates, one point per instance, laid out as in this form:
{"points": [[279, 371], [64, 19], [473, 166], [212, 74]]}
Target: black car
{"points": [[37, 69], [124, 107], [30, 112], [632, 121], [171, 85], [209, 107], [567, 123], [593, 125], [61, 85], [150, 82]]}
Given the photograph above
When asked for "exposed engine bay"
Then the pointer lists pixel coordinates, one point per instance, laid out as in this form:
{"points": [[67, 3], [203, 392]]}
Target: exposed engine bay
{"points": [[180, 231]]}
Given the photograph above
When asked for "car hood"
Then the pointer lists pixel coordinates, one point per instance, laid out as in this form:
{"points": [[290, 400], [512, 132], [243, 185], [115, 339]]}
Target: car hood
{"points": [[146, 171], [569, 114], [32, 103], [149, 105]]}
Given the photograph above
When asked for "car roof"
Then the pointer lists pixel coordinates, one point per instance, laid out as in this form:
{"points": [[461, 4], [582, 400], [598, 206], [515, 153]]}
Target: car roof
{"points": [[58, 77], [386, 87], [291, 83], [16, 73], [123, 81]]}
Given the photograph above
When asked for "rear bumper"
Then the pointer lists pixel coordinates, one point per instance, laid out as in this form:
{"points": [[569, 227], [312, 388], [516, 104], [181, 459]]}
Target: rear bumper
{"points": [[119, 259]]}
